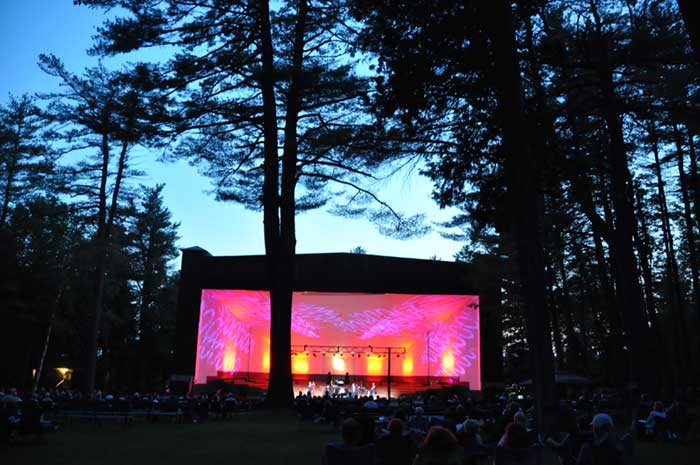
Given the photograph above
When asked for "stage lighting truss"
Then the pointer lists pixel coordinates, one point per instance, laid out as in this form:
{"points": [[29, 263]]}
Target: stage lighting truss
{"points": [[352, 351]]}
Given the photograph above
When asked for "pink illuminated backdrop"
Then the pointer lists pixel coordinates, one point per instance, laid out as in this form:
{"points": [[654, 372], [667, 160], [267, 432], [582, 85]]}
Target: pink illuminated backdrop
{"points": [[440, 333]]}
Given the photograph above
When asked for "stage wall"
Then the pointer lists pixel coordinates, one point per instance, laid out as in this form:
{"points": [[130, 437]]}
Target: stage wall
{"points": [[439, 332]]}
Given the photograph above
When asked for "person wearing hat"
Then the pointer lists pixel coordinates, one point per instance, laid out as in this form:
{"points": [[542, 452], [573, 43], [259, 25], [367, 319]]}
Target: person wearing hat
{"points": [[605, 449]]}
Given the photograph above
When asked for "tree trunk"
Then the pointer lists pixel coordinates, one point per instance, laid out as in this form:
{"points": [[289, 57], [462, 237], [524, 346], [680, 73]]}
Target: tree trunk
{"points": [[573, 346], [582, 188], [677, 297], [280, 298], [695, 190], [271, 162], [93, 326], [639, 342], [525, 202], [620, 358], [688, 219], [280, 393], [643, 241], [556, 327], [144, 318], [694, 181], [7, 192], [691, 19], [47, 339], [104, 229], [597, 328]]}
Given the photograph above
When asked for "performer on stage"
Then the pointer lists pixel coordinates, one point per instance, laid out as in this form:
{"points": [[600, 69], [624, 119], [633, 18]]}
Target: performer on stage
{"points": [[310, 389], [347, 379], [373, 391], [353, 391], [329, 379]]}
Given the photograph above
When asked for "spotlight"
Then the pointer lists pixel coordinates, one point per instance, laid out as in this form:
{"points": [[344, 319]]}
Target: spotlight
{"points": [[398, 355], [314, 354]]}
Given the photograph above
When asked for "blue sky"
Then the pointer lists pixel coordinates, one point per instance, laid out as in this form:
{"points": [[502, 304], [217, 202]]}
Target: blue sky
{"points": [[31, 27]]}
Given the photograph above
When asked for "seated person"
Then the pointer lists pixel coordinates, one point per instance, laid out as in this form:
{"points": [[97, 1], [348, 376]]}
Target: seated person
{"points": [[604, 449], [677, 420], [394, 448], [418, 421], [469, 437], [567, 439], [517, 448], [515, 437], [440, 447], [368, 427], [371, 404], [350, 451], [656, 417], [521, 418]]}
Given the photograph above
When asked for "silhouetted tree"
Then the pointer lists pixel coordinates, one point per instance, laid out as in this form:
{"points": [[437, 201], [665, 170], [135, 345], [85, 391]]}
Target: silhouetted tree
{"points": [[102, 116], [25, 157], [151, 237], [272, 109]]}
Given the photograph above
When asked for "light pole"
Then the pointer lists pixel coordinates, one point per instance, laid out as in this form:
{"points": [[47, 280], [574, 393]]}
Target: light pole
{"points": [[427, 351], [388, 375]]}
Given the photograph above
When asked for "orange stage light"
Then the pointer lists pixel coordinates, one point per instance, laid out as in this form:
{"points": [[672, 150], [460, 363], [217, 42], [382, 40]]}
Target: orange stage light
{"points": [[374, 365], [448, 362], [229, 361], [338, 363], [408, 366], [300, 365]]}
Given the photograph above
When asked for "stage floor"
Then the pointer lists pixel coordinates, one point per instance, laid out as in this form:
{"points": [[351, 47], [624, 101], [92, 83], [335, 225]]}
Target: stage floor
{"points": [[400, 385]]}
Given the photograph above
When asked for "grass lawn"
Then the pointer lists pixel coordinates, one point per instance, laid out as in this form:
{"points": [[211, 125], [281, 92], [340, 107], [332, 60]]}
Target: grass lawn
{"points": [[251, 439]]}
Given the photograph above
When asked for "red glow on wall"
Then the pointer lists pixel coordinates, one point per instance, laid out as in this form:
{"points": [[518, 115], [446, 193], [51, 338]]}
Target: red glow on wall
{"points": [[440, 333]]}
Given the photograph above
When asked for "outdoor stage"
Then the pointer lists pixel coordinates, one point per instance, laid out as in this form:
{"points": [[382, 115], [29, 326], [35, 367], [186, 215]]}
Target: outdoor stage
{"points": [[406, 325], [399, 342]]}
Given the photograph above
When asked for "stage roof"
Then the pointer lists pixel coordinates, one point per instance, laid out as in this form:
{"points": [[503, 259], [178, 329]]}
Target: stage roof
{"points": [[334, 272]]}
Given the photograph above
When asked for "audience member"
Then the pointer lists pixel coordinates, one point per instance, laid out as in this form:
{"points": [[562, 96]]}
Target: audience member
{"points": [[521, 419], [604, 449], [515, 436], [470, 439], [394, 448], [567, 440], [655, 420], [418, 422], [516, 448], [470, 436], [350, 451], [440, 447]]}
